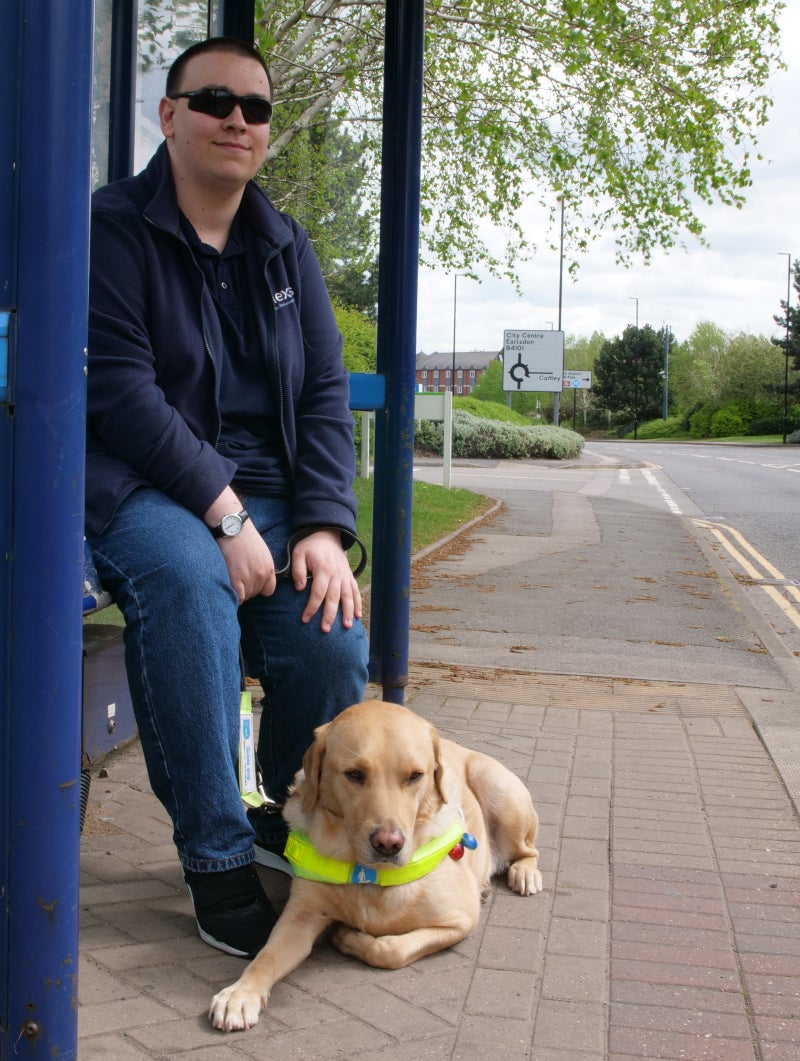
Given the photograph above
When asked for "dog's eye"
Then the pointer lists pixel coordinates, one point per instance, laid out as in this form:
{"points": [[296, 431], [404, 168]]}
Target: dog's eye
{"points": [[414, 776], [356, 776]]}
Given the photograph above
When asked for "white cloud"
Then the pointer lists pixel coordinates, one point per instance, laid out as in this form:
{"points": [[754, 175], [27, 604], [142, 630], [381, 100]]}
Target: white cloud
{"points": [[737, 281]]}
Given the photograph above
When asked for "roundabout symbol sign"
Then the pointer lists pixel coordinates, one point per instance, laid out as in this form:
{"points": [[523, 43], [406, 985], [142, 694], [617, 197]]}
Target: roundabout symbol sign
{"points": [[533, 360]]}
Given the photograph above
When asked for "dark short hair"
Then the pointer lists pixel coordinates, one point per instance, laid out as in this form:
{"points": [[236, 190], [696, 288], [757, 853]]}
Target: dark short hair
{"points": [[228, 45]]}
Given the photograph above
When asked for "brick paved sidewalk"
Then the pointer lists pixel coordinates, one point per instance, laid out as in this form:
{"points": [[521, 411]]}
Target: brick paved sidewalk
{"points": [[669, 925]]}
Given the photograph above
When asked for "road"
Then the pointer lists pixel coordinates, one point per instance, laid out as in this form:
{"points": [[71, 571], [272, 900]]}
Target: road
{"points": [[634, 560], [755, 489]]}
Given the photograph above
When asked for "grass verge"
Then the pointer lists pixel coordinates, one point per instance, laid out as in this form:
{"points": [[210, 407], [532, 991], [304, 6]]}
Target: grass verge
{"points": [[435, 512]]}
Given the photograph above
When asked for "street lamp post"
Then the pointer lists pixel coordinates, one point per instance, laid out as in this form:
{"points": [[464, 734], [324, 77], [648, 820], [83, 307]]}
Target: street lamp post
{"points": [[636, 373], [786, 351], [455, 300], [557, 395]]}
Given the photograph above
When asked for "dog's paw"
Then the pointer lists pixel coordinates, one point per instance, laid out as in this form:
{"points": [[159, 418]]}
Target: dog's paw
{"points": [[349, 940], [524, 878], [235, 1009]]}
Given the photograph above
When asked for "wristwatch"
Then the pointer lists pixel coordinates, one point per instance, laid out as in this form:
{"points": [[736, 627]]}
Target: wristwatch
{"points": [[230, 525]]}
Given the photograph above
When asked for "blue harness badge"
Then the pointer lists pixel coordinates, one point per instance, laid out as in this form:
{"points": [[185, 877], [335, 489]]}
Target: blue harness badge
{"points": [[364, 874]]}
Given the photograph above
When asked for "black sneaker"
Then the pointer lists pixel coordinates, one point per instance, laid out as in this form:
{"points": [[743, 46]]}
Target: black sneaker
{"points": [[232, 912], [270, 856]]}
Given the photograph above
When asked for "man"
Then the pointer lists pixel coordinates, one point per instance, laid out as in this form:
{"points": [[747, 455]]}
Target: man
{"points": [[220, 444]]}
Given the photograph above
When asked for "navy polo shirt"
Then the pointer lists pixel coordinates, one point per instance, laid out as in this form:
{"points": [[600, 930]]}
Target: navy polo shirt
{"points": [[250, 429]]}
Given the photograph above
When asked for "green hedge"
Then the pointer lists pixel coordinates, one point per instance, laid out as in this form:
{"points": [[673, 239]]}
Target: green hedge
{"points": [[671, 428], [477, 437], [740, 417]]}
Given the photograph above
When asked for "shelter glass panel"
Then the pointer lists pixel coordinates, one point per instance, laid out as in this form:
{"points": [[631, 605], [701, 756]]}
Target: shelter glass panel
{"points": [[166, 28], [101, 91]]}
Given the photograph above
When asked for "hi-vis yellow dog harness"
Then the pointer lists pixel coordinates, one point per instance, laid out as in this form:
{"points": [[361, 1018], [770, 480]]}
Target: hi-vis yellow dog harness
{"points": [[308, 863]]}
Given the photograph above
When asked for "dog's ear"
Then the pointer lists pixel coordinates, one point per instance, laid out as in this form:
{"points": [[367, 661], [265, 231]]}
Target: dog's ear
{"points": [[438, 771], [312, 768]]}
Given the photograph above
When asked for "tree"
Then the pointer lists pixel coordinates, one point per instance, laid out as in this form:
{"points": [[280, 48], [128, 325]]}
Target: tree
{"points": [[630, 111], [714, 367], [750, 371], [320, 179], [695, 366], [489, 387], [360, 335], [793, 314], [580, 354], [629, 380]]}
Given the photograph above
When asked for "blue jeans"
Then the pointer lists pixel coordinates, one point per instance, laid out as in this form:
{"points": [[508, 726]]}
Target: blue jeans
{"points": [[182, 634]]}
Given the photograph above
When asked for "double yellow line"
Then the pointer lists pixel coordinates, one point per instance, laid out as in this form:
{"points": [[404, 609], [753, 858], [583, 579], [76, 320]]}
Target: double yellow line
{"points": [[728, 539]]}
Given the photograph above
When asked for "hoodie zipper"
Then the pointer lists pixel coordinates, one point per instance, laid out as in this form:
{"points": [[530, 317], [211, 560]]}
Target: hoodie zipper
{"points": [[203, 320], [275, 366]]}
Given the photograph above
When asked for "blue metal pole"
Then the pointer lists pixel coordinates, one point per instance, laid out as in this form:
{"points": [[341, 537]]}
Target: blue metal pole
{"points": [[43, 439], [10, 23], [397, 325]]}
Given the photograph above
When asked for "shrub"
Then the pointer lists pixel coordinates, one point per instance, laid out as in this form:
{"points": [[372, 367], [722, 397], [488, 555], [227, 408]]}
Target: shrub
{"points": [[794, 438], [671, 428], [489, 410], [429, 436], [726, 422], [773, 424], [767, 425], [700, 422], [497, 440], [738, 417]]}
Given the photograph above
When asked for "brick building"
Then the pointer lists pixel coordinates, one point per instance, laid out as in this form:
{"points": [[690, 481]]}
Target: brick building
{"points": [[434, 370]]}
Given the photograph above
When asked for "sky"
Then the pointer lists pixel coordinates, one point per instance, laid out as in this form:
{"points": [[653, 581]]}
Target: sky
{"points": [[737, 281]]}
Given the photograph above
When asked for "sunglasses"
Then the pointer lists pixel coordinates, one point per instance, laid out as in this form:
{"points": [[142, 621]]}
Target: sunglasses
{"points": [[219, 103]]}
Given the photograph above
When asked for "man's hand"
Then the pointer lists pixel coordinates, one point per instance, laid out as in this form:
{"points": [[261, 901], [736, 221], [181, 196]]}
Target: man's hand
{"points": [[251, 569], [320, 556]]}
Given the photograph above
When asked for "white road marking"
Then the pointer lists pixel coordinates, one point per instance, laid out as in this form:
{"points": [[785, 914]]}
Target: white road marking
{"points": [[668, 501]]}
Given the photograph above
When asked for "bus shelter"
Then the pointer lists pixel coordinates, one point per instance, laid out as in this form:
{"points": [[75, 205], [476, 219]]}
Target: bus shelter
{"points": [[76, 118]]}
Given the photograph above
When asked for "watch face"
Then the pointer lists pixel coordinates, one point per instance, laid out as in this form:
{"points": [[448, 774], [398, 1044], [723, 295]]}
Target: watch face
{"points": [[231, 525]]}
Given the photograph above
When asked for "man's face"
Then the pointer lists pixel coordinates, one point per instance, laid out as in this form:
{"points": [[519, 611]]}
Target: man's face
{"points": [[217, 154]]}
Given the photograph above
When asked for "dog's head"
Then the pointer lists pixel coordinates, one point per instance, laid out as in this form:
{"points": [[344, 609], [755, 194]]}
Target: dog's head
{"points": [[372, 780]]}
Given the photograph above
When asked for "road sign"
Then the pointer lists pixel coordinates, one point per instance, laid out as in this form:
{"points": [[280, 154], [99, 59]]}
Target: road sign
{"points": [[533, 360], [577, 380]]}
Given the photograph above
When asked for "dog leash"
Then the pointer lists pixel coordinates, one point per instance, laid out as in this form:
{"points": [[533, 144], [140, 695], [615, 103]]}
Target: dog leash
{"points": [[285, 572]]}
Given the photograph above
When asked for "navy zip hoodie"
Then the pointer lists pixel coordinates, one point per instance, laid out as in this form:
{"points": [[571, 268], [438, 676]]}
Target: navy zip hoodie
{"points": [[154, 348]]}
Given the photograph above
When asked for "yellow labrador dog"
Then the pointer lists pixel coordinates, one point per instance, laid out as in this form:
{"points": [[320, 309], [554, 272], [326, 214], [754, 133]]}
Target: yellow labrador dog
{"points": [[395, 834]]}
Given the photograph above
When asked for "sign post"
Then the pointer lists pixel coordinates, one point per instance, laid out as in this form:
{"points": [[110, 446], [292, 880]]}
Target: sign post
{"points": [[575, 381]]}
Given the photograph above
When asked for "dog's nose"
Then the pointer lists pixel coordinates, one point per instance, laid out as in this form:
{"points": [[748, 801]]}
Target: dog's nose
{"points": [[387, 842]]}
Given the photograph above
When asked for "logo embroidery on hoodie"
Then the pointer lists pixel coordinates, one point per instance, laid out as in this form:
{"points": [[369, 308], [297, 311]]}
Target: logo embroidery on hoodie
{"points": [[283, 298]]}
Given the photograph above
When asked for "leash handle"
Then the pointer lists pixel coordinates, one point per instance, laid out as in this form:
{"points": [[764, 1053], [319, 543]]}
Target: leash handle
{"points": [[285, 572]]}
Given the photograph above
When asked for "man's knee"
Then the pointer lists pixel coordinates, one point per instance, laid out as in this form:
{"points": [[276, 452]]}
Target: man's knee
{"points": [[341, 647]]}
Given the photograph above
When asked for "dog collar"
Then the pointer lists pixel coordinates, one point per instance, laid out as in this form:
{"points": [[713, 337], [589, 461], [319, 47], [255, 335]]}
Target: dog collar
{"points": [[308, 863]]}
